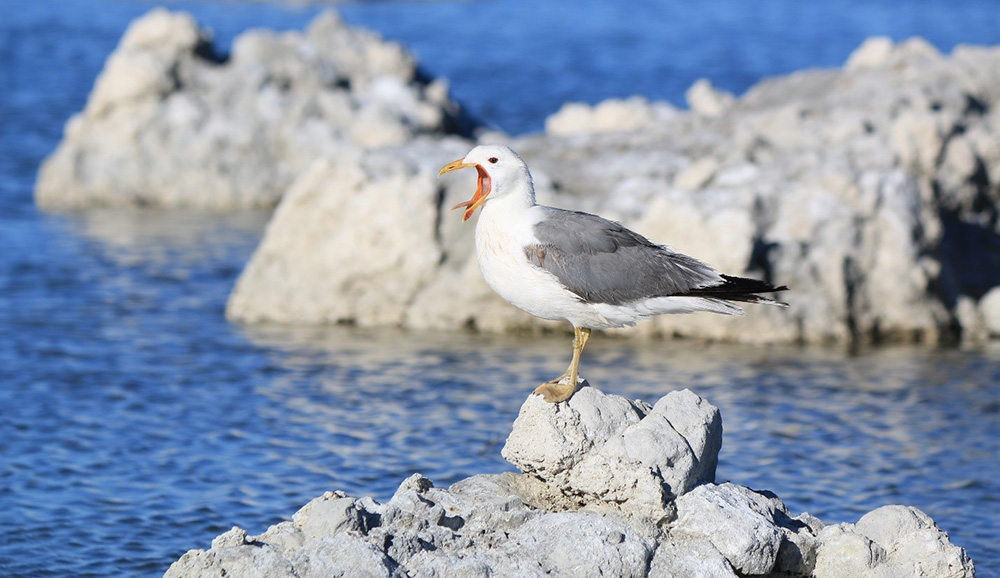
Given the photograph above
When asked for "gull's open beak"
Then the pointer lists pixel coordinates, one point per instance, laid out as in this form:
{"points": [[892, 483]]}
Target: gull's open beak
{"points": [[482, 186]]}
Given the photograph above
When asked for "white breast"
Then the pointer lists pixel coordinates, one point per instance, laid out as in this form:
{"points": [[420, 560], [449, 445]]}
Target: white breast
{"points": [[501, 236]]}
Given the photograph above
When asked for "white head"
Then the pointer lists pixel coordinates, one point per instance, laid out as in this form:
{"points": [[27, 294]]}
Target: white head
{"points": [[501, 173]]}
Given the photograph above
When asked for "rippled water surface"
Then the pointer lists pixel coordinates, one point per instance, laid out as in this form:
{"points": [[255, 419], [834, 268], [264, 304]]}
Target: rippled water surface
{"points": [[135, 423]]}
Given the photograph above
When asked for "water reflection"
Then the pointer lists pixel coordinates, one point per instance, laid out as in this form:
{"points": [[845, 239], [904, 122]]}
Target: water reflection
{"points": [[177, 239]]}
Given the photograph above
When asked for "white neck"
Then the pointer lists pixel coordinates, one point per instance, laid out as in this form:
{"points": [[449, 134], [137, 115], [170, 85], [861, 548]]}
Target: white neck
{"points": [[512, 194], [508, 215]]}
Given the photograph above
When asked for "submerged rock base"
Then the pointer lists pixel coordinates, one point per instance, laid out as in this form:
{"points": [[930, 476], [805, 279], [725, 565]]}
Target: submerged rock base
{"points": [[609, 487]]}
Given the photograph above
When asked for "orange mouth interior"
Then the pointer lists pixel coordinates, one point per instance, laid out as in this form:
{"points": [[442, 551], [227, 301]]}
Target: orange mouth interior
{"points": [[482, 189]]}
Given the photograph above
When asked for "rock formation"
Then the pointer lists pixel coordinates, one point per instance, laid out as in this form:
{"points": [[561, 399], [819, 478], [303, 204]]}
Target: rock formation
{"points": [[872, 191], [172, 123], [609, 487]]}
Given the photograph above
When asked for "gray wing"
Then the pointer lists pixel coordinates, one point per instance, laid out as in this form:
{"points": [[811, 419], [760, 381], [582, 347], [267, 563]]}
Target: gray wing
{"points": [[603, 262]]}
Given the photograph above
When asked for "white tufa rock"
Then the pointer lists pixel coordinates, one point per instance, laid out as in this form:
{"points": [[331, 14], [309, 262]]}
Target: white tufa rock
{"points": [[610, 116], [854, 187], [873, 53], [553, 520], [889, 542], [989, 308], [605, 452], [705, 100], [170, 123], [697, 174], [314, 249]]}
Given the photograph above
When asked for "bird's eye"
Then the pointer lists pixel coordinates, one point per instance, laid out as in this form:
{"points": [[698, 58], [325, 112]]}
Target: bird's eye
{"points": [[493, 160]]}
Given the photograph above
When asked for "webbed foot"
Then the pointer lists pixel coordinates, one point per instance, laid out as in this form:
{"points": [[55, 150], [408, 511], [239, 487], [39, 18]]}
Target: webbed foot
{"points": [[556, 392]]}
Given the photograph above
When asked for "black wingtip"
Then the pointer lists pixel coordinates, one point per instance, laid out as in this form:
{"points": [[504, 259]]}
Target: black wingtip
{"points": [[750, 285], [742, 289]]}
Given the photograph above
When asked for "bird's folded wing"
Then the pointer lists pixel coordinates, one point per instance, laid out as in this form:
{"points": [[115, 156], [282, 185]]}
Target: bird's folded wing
{"points": [[603, 262]]}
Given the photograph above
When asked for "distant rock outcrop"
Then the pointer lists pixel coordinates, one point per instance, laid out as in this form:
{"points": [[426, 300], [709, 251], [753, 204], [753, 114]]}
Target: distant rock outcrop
{"points": [[610, 487], [872, 191], [170, 123]]}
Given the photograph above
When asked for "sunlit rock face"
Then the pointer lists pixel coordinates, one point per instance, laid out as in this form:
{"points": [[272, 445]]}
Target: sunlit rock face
{"points": [[608, 487], [171, 123], [871, 191]]}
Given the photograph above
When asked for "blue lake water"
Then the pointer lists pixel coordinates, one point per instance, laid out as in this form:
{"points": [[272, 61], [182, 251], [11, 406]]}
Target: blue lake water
{"points": [[136, 423]]}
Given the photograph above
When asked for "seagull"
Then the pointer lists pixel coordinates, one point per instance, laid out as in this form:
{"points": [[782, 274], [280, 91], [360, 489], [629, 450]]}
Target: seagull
{"points": [[575, 266]]}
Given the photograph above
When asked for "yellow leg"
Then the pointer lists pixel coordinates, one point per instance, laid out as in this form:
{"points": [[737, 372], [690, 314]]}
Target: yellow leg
{"points": [[554, 391]]}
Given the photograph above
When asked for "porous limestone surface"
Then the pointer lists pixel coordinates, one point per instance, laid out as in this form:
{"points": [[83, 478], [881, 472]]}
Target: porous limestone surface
{"points": [[862, 189], [171, 123], [606, 488]]}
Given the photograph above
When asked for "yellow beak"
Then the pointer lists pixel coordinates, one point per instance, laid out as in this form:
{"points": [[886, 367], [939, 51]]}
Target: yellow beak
{"points": [[454, 166], [483, 186]]}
